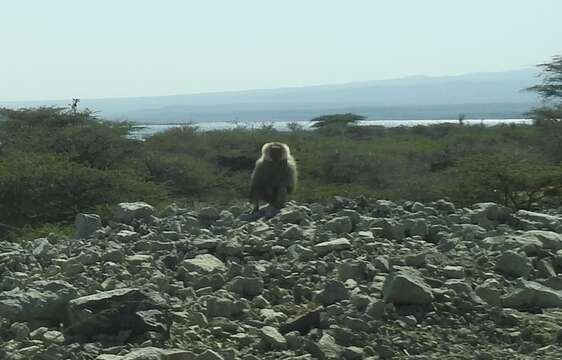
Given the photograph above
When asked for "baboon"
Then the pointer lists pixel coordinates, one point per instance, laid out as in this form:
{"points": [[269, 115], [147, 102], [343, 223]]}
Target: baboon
{"points": [[274, 176]]}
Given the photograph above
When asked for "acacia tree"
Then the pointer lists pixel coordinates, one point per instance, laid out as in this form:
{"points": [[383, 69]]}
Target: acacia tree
{"points": [[550, 91], [548, 116], [336, 123], [551, 87]]}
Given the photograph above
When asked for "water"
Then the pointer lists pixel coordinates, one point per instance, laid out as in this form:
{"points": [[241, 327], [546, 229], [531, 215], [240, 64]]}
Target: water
{"points": [[151, 129]]}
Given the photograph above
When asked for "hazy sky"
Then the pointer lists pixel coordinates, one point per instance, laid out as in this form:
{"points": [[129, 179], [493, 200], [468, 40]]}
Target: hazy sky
{"points": [[58, 49]]}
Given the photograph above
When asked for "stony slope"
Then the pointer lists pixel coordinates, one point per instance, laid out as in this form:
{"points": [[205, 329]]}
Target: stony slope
{"points": [[349, 280]]}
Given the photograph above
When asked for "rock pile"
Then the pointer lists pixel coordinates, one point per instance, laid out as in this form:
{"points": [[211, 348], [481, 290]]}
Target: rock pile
{"points": [[348, 280]]}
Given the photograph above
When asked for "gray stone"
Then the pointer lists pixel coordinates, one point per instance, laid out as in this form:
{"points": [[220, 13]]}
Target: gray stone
{"points": [[546, 221], [529, 245], [353, 269], [340, 225], [302, 323], [463, 288], [381, 263], [413, 227], [530, 294], [514, 264], [333, 292], [376, 309], [406, 287], [126, 236], [230, 248], [353, 353], [554, 282], [545, 268], [223, 307], [293, 232], [326, 247], [329, 350], [292, 215], [273, 338], [43, 249], [190, 224], [53, 337], [20, 331], [114, 252], [121, 309], [416, 260], [301, 253], [72, 267], [246, 286], [490, 292], [487, 214], [205, 263], [445, 206], [391, 228], [86, 225], [153, 353], [210, 355], [549, 239], [43, 300], [454, 272], [127, 212], [206, 244], [208, 215], [471, 232]]}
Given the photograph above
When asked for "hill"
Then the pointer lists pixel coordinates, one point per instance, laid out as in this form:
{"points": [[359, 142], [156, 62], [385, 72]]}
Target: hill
{"points": [[479, 95]]}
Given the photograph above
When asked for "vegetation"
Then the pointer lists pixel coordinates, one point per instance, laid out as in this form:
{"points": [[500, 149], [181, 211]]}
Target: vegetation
{"points": [[55, 162]]}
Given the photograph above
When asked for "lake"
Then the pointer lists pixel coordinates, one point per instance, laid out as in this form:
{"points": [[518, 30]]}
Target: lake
{"points": [[148, 130]]}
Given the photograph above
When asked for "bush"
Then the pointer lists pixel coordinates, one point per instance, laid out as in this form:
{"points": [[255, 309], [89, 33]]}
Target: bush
{"points": [[183, 174], [78, 136], [512, 178], [36, 188]]}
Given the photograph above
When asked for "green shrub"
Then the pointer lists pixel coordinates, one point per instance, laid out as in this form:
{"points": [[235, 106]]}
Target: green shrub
{"points": [[36, 188], [508, 176], [185, 175]]}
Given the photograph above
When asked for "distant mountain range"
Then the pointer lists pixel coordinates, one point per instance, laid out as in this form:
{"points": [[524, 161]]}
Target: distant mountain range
{"points": [[478, 95]]}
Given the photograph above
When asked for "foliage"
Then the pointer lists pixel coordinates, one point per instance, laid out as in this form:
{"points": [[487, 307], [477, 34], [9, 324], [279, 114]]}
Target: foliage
{"points": [[55, 163], [183, 174], [31, 232], [549, 116], [36, 188], [80, 136], [336, 122], [551, 86], [510, 177]]}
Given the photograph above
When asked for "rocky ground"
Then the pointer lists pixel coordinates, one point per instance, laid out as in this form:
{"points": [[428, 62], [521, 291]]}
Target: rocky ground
{"points": [[349, 280]]}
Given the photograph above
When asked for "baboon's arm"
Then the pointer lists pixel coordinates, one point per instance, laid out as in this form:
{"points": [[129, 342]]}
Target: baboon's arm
{"points": [[258, 181]]}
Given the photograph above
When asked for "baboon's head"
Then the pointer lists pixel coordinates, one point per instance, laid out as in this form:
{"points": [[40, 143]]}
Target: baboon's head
{"points": [[275, 151]]}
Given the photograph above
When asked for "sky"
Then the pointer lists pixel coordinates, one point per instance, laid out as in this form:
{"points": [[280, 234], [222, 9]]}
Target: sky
{"points": [[59, 49]]}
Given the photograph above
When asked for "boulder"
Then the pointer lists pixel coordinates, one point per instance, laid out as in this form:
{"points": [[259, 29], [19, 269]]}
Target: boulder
{"points": [[302, 323], [246, 286], [326, 247], [42, 300], [333, 292], [490, 292], [514, 264], [340, 225], [549, 239], [205, 263], [406, 287], [127, 212], [112, 311], [86, 225], [273, 338], [532, 295]]}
